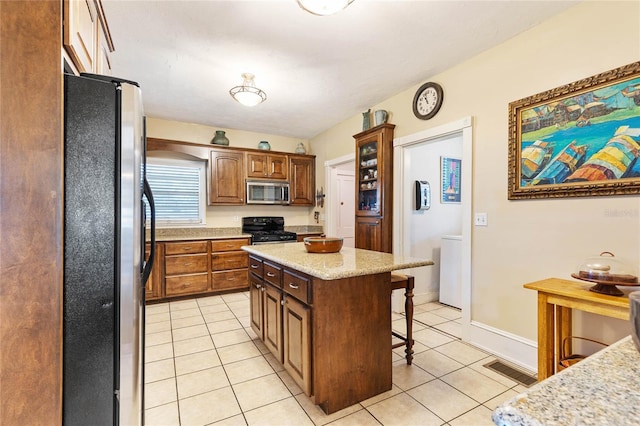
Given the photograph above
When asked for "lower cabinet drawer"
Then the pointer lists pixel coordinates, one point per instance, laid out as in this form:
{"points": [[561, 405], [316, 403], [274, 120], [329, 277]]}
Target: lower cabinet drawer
{"points": [[186, 284], [229, 245], [189, 264], [229, 279], [296, 285], [230, 260], [187, 247]]}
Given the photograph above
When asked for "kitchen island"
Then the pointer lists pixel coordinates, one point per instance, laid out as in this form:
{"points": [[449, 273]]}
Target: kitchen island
{"points": [[327, 317], [603, 389]]}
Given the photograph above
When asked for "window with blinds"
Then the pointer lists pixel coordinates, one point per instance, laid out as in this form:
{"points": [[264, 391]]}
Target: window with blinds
{"points": [[179, 191]]}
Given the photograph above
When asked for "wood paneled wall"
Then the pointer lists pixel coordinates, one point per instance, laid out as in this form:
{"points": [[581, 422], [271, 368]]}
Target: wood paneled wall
{"points": [[31, 209]]}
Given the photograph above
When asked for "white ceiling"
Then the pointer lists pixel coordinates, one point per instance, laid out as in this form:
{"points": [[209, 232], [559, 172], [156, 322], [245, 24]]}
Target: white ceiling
{"points": [[316, 70]]}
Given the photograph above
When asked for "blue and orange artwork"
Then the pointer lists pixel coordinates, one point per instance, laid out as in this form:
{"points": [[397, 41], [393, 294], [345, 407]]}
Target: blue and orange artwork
{"points": [[589, 137], [451, 173]]}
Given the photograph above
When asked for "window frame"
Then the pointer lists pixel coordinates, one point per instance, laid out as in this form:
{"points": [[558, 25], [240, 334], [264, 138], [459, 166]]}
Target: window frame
{"points": [[202, 193]]}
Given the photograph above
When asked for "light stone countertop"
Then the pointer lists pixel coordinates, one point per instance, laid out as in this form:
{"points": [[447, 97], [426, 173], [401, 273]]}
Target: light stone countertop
{"points": [[349, 262], [186, 234], [603, 389]]}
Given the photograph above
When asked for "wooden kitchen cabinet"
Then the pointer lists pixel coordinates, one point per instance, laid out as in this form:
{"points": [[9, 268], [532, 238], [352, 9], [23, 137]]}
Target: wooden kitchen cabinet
{"points": [[281, 318], [318, 349], [302, 172], [229, 167], [186, 268], [104, 49], [229, 264], [297, 344], [374, 188], [86, 36], [370, 234], [272, 311], [267, 166], [153, 289], [255, 302], [226, 177]]}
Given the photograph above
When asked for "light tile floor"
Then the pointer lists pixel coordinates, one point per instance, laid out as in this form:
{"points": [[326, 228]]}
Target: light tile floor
{"points": [[204, 365]]}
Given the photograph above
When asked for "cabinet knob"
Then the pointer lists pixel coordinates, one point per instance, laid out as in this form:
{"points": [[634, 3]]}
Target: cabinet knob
{"points": [[258, 285]]}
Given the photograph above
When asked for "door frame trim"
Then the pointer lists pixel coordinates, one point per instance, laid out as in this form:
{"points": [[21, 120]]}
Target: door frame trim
{"points": [[464, 128], [330, 170]]}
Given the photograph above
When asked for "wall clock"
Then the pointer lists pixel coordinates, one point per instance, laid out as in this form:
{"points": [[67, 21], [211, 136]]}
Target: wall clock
{"points": [[428, 100]]}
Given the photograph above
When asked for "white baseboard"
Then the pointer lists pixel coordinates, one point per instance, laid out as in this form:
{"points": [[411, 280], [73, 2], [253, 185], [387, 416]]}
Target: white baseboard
{"points": [[509, 347]]}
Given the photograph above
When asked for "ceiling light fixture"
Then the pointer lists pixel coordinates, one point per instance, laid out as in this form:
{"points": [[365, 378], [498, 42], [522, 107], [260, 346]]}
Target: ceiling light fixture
{"points": [[248, 94], [324, 7]]}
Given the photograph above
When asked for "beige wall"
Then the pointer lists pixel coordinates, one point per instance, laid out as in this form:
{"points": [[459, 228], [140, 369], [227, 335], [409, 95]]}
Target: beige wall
{"points": [[229, 216], [525, 240]]}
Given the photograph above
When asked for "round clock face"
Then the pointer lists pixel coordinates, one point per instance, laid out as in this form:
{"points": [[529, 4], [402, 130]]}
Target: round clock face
{"points": [[427, 101]]}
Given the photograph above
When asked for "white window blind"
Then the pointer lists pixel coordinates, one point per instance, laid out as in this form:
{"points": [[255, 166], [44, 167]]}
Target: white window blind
{"points": [[178, 188]]}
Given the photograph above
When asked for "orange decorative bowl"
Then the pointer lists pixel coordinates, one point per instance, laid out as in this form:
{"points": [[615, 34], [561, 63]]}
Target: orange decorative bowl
{"points": [[323, 244]]}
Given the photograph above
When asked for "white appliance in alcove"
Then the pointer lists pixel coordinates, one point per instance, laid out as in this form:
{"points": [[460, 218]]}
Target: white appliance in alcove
{"points": [[450, 270]]}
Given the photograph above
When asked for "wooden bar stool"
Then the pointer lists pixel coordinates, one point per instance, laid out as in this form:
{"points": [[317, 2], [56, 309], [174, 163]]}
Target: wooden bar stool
{"points": [[406, 282]]}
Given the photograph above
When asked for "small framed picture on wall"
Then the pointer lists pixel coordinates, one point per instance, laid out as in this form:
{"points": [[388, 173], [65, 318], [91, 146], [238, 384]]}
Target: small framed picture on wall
{"points": [[450, 172]]}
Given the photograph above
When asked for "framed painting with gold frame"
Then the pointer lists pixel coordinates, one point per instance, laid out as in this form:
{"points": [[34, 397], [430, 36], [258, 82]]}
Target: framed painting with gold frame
{"points": [[578, 140]]}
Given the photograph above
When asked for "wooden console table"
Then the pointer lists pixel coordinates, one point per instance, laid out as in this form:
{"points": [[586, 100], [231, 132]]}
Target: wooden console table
{"points": [[556, 299]]}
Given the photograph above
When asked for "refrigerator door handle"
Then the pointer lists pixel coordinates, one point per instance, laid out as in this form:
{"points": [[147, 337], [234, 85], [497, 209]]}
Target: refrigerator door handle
{"points": [[147, 267]]}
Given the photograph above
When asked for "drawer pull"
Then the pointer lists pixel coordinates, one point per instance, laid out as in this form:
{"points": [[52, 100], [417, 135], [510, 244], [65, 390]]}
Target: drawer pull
{"points": [[271, 274], [254, 266], [188, 264], [257, 286], [293, 286], [186, 248], [185, 285], [230, 279]]}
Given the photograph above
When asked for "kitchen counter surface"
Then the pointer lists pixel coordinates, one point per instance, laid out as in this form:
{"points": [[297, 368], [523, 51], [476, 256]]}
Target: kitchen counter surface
{"points": [[349, 262], [603, 389], [184, 234]]}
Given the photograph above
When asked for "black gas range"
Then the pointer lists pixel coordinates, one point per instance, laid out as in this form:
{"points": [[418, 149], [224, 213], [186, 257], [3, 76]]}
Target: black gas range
{"points": [[267, 229]]}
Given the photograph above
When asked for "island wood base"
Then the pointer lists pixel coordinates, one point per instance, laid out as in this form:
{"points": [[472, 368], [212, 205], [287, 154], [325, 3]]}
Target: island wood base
{"points": [[351, 342], [332, 336]]}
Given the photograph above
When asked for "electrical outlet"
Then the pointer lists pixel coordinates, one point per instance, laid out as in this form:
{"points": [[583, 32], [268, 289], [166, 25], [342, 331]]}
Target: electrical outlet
{"points": [[236, 218], [480, 219]]}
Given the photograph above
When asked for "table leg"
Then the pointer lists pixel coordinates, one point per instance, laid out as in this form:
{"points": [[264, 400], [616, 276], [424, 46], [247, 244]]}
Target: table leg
{"points": [[545, 337], [563, 329]]}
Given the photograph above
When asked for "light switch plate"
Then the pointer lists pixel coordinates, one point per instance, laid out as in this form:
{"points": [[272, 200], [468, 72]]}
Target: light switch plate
{"points": [[480, 219]]}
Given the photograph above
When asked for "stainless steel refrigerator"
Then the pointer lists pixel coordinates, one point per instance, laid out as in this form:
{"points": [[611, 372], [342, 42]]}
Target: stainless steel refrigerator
{"points": [[105, 270]]}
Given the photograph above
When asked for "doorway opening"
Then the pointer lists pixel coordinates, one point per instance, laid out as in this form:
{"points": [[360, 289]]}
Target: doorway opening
{"points": [[340, 200], [419, 233]]}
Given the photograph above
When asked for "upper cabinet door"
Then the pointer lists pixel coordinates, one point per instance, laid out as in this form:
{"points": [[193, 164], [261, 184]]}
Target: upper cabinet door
{"points": [[374, 171], [267, 166], [103, 62], [302, 177], [226, 182], [80, 31]]}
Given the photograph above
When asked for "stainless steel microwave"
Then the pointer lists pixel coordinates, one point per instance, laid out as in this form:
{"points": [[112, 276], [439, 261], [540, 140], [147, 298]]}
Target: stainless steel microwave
{"points": [[267, 192]]}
